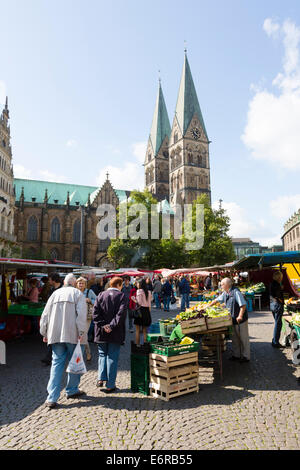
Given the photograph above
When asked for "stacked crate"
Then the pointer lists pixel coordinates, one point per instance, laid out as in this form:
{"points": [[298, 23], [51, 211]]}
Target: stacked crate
{"points": [[210, 343], [172, 376]]}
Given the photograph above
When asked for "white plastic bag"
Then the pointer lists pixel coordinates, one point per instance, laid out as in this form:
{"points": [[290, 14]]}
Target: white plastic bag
{"points": [[76, 364], [173, 306]]}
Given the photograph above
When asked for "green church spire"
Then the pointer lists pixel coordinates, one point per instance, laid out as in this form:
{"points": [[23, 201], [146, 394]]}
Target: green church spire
{"points": [[187, 101], [160, 124]]}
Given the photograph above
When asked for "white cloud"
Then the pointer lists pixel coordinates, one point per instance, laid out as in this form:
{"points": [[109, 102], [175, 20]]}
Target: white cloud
{"points": [[139, 150], [46, 175], [270, 27], [284, 206], [21, 172], [3, 92], [72, 143], [241, 226], [272, 129], [130, 175]]}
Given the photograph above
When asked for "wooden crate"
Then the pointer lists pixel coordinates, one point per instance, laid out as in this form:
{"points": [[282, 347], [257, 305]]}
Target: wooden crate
{"points": [[167, 362], [190, 386], [174, 375], [202, 325]]}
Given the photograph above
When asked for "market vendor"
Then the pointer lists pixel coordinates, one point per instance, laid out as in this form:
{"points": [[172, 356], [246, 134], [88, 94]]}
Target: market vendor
{"points": [[236, 304], [277, 306]]}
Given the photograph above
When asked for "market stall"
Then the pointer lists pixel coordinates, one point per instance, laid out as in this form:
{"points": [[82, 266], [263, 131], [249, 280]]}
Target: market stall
{"points": [[15, 317], [169, 365]]}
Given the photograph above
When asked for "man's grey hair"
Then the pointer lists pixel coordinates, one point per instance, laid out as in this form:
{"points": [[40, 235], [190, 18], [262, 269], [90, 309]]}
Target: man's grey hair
{"points": [[227, 280], [69, 280]]}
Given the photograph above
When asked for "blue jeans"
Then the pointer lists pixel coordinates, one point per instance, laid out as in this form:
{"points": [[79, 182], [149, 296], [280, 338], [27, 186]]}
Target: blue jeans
{"points": [[60, 353], [108, 363], [157, 301], [130, 319], [277, 311], [166, 300], [185, 301]]}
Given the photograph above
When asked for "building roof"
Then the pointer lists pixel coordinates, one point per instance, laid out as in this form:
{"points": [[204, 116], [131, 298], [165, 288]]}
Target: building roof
{"points": [[241, 240], [59, 191], [160, 128], [187, 101]]}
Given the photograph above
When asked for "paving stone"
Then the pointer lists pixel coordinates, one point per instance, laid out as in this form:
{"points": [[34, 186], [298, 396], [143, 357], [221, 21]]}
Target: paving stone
{"points": [[254, 408]]}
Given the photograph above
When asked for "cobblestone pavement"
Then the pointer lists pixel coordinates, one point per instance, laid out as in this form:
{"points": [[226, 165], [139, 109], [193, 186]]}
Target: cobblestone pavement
{"points": [[256, 406]]}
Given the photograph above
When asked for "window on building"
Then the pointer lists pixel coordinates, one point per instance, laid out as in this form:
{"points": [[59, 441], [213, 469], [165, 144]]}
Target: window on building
{"points": [[55, 230], [32, 232], [54, 254], [76, 231], [297, 232], [76, 255], [3, 223], [8, 225], [175, 137], [103, 245]]}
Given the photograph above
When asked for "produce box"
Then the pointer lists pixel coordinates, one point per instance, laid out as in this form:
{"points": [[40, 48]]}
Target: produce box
{"points": [[171, 348], [201, 325], [166, 327], [173, 376], [154, 337]]}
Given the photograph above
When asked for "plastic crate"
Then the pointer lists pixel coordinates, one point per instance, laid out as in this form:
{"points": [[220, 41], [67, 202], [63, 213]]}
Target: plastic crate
{"points": [[166, 328], [142, 349], [171, 348], [154, 337], [140, 374], [154, 328]]}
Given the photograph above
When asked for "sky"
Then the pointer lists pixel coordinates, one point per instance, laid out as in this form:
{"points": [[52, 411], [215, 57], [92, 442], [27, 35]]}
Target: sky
{"points": [[82, 77]]}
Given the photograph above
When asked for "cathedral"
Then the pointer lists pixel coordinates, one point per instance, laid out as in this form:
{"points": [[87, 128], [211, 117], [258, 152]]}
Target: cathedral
{"points": [[58, 220], [177, 158]]}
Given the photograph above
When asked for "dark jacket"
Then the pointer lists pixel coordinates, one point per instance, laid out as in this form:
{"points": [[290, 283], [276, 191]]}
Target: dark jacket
{"points": [[126, 291], [110, 308], [184, 286], [167, 290]]}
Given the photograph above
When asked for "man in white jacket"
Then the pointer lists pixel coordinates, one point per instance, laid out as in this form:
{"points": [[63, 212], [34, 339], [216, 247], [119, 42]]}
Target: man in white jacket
{"points": [[63, 323]]}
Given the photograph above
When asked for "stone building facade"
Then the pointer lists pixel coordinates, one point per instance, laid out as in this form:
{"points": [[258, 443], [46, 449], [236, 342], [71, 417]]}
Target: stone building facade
{"points": [[7, 199], [59, 221], [177, 164], [291, 236]]}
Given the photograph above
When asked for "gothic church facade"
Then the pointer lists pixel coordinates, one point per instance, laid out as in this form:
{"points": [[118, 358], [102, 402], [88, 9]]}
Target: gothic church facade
{"points": [[177, 164]]}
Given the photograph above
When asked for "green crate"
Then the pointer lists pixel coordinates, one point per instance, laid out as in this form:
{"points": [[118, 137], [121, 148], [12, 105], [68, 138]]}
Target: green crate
{"points": [[172, 348], [154, 337], [140, 373]]}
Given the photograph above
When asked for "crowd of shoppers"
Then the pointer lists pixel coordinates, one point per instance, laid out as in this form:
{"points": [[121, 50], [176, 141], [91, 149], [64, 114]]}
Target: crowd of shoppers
{"points": [[82, 306]]}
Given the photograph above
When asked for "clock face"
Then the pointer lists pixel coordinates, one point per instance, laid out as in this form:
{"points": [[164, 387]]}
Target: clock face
{"points": [[196, 133]]}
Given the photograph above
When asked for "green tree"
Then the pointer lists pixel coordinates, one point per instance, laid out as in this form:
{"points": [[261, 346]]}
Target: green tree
{"points": [[146, 253], [217, 248]]}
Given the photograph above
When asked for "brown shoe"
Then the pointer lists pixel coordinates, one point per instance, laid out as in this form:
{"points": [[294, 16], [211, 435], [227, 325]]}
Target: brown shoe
{"points": [[80, 393], [50, 404]]}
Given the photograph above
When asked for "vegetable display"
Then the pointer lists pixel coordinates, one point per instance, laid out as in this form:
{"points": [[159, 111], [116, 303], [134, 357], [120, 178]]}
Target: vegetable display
{"points": [[198, 311], [296, 319], [255, 289]]}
